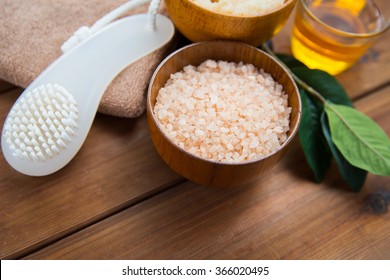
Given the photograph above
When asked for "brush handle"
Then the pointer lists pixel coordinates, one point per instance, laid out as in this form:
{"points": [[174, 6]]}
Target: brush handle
{"points": [[85, 32]]}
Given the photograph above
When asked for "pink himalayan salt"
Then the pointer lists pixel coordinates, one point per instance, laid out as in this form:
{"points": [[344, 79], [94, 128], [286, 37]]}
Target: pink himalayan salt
{"points": [[224, 111]]}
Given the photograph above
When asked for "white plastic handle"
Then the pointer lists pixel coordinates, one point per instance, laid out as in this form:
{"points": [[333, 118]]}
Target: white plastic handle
{"points": [[85, 32]]}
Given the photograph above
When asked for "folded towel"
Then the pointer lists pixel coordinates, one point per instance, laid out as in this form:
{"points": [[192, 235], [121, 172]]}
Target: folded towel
{"points": [[31, 35]]}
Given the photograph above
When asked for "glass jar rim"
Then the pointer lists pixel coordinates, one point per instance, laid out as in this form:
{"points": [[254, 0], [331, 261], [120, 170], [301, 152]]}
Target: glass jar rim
{"points": [[383, 28]]}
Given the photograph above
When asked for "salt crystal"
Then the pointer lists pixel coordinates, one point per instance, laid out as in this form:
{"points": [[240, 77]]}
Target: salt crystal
{"points": [[212, 127], [211, 63], [278, 129], [199, 133], [242, 135], [190, 106], [199, 94], [254, 143], [182, 121], [214, 99]]}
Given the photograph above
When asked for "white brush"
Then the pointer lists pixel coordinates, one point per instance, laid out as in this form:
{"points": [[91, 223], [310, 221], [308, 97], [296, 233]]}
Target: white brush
{"points": [[50, 120]]}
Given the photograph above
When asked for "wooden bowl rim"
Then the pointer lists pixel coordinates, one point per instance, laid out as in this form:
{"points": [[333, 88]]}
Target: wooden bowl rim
{"points": [[270, 12], [243, 45]]}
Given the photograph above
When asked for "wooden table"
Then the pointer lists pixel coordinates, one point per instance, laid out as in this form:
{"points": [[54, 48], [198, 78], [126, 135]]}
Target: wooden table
{"points": [[118, 200]]}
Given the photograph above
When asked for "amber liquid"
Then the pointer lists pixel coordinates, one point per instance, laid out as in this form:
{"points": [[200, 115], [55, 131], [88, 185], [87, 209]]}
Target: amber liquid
{"points": [[318, 48]]}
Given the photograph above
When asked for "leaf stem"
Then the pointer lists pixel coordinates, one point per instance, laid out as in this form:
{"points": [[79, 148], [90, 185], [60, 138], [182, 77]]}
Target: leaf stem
{"points": [[301, 83]]}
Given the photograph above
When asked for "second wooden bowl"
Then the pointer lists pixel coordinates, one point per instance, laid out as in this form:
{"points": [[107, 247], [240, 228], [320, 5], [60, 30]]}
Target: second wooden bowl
{"points": [[209, 172], [199, 24]]}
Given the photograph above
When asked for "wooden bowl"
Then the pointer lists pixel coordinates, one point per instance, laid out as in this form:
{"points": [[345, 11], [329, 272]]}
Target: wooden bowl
{"points": [[209, 172], [199, 24]]}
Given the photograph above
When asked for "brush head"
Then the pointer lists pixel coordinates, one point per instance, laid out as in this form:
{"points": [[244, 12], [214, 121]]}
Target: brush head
{"points": [[41, 123]]}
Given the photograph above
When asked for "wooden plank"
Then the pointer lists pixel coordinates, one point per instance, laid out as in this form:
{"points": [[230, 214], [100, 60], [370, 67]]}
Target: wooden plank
{"points": [[370, 73], [284, 216], [112, 171]]}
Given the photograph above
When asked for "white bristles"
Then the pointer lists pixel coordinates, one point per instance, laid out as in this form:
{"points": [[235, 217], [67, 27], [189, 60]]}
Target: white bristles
{"points": [[42, 123]]}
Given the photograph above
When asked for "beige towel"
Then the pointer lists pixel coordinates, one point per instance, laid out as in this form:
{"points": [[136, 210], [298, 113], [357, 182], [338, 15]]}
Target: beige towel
{"points": [[32, 32]]}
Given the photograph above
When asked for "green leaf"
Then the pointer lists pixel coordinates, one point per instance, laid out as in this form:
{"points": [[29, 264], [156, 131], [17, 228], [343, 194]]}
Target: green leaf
{"points": [[310, 133], [354, 176], [324, 83], [360, 140], [290, 61]]}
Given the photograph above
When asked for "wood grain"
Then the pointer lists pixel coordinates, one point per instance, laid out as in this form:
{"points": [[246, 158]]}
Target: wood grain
{"points": [[199, 24], [109, 173], [208, 172], [283, 216]]}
